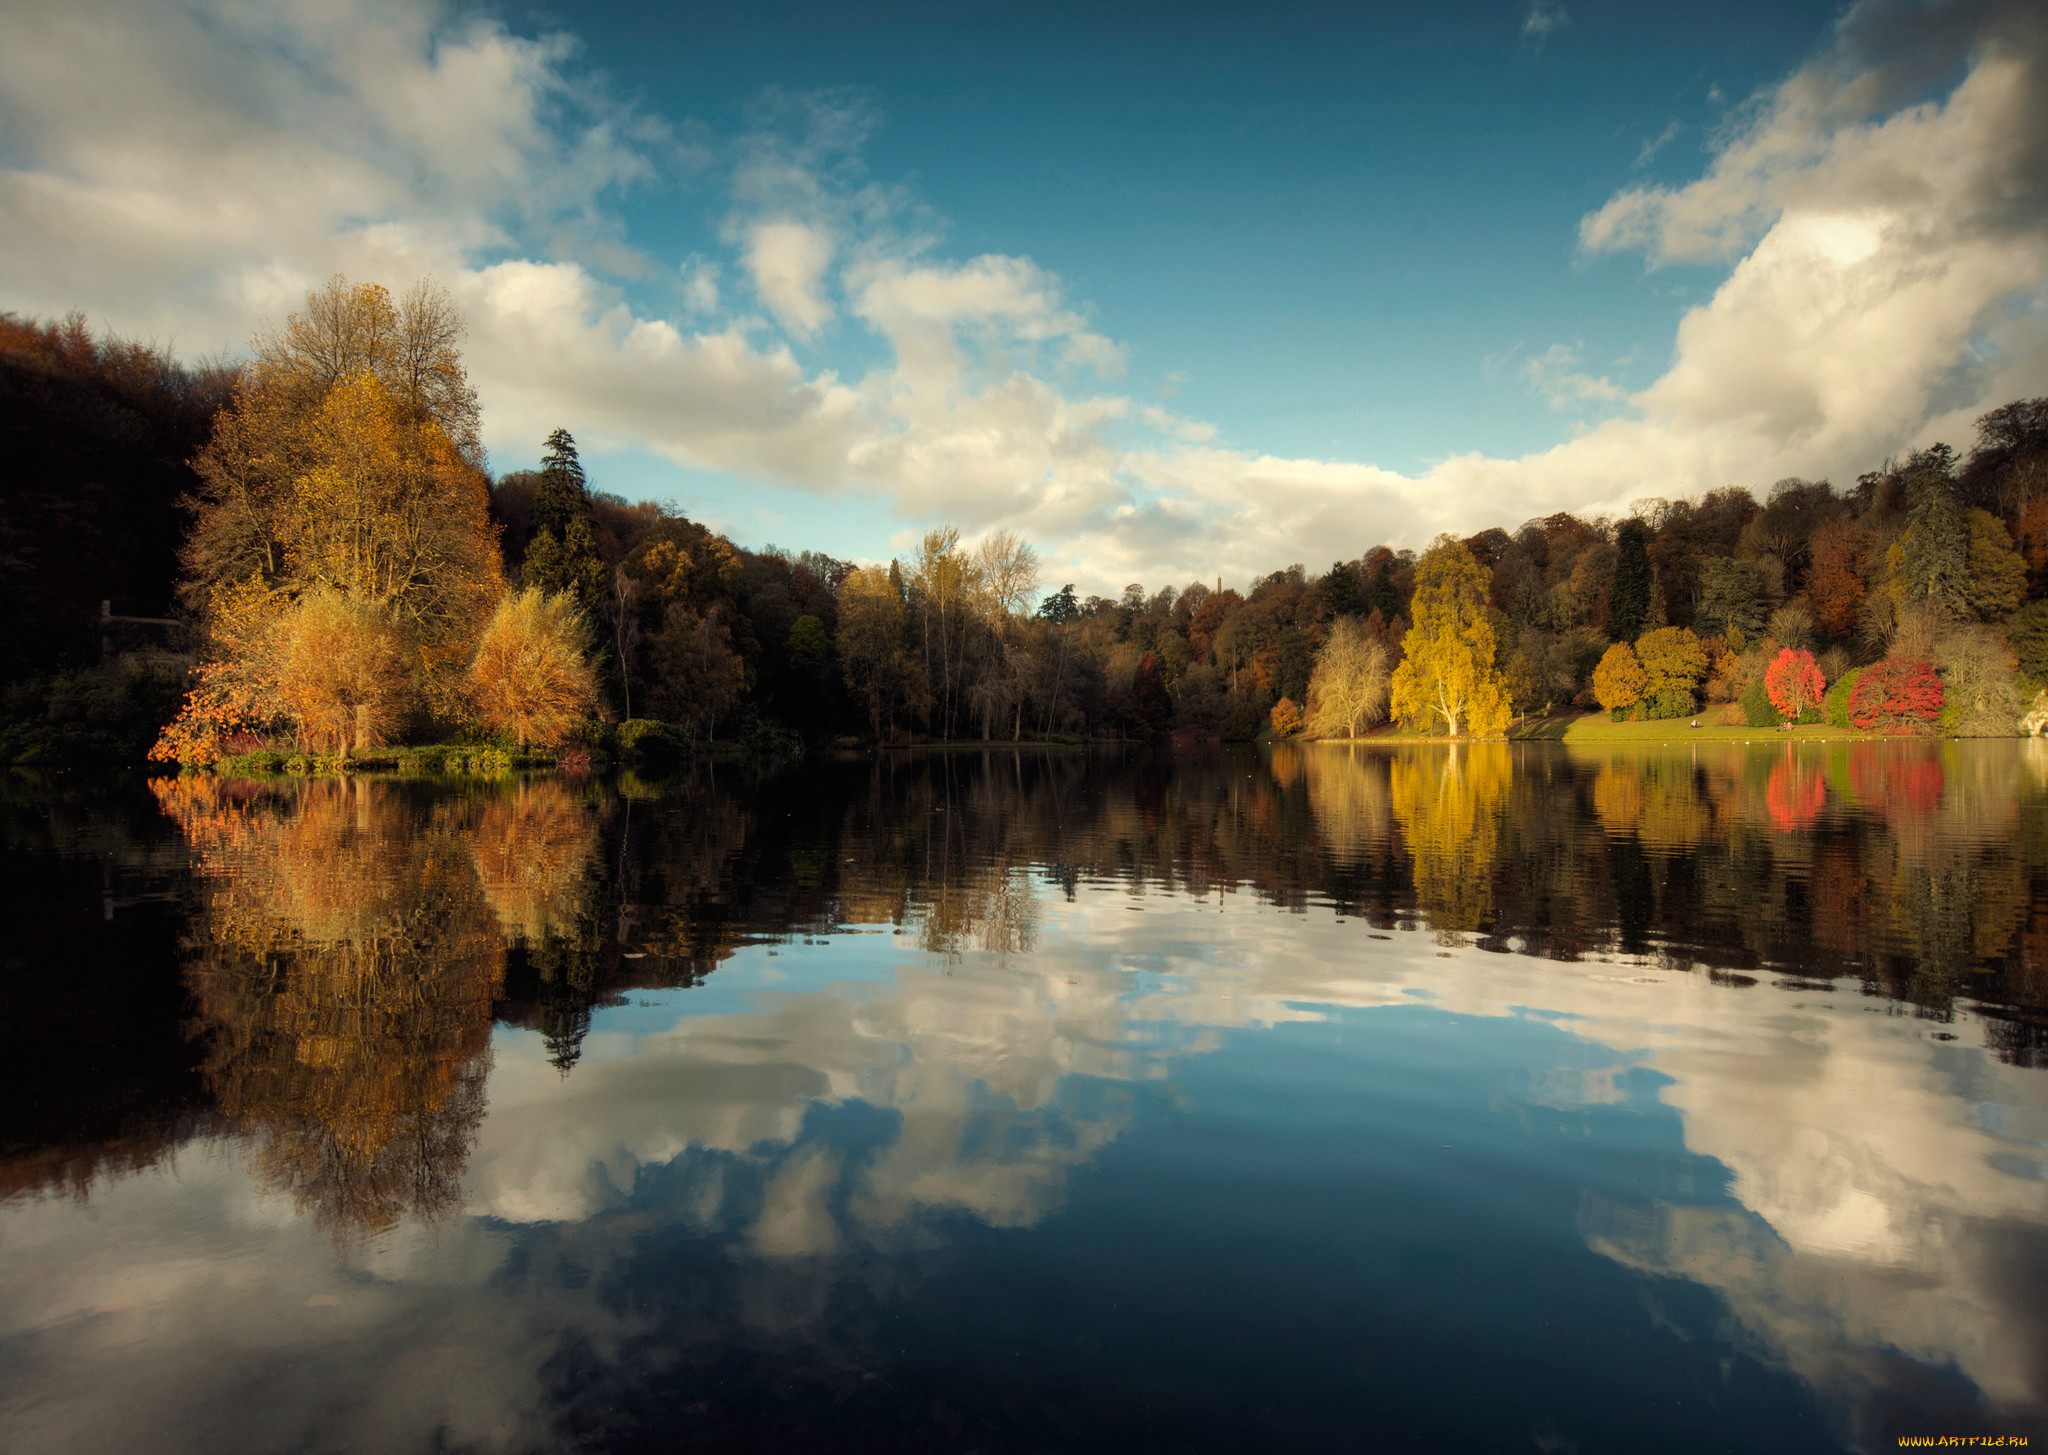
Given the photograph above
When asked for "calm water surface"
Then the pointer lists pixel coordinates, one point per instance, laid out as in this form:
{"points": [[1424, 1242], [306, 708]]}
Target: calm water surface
{"points": [[1501, 1098]]}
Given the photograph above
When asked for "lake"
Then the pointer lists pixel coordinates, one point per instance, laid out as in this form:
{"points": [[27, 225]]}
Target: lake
{"points": [[1499, 1097]]}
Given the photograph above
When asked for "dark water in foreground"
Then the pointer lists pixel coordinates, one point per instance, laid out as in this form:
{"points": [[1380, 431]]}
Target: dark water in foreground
{"points": [[1504, 1098]]}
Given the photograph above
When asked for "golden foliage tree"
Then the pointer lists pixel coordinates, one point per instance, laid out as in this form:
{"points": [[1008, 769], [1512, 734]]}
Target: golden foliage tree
{"points": [[346, 459], [880, 671], [1619, 680], [340, 665], [1348, 688], [1448, 673], [1673, 660], [1998, 573], [532, 675]]}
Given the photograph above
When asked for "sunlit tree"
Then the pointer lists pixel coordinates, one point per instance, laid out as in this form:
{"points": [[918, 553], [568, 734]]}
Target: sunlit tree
{"points": [[1448, 673], [341, 670], [1348, 689], [532, 675], [1620, 681]]}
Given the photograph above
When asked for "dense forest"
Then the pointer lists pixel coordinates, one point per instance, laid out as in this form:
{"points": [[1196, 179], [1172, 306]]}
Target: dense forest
{"points": [[308, 552]]}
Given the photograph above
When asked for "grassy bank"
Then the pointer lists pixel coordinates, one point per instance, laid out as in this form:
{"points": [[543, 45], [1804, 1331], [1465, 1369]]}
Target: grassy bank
{"points": [[1598, 727]]}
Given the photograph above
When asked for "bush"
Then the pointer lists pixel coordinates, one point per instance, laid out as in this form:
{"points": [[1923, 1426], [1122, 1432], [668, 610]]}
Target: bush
{"points": [[1835, 706], [653, 743], [1757, 711], [1286, 718], [1896, 696], [1242, 723], [1669, 702], [765, 740], [105, 714]]}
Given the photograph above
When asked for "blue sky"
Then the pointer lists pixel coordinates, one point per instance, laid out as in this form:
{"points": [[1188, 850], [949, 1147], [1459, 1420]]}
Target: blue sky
{"points": [[1173, 291], [1315, 226]]}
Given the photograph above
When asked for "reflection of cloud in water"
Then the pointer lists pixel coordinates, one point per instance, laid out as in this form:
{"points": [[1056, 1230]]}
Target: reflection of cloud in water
{"points": [[1889, 1186]]}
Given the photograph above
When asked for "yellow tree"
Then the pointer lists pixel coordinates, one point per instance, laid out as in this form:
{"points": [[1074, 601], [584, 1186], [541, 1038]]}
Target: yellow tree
{"points": [[1448, 673], [879, 670], [1348, 687], [532, 675], [1673, 659], [340, 664], [390, 513], [1619, 680]]}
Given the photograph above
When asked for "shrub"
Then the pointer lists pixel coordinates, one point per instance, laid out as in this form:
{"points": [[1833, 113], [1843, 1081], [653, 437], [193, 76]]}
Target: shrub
{"points": [[1286, 718], [1897, 696], [1836, 704], [1241, 723], [1670, 702], [656, 744], [1757, 711]]}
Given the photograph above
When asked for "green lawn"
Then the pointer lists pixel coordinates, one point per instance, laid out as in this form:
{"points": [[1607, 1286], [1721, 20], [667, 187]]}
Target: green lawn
{"points": [[1598, 727]]}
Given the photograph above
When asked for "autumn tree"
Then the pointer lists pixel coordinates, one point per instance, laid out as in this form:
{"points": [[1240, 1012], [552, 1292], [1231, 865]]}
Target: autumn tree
{"points": [[1834, 581], [1348, 689], [532, 675], [1620, 681], [698, 677], [1448, 672], [1897, 695], [346, 461], [341, 670], [1793, 682], [1997, 580], [1673, 660], [880, 672]]}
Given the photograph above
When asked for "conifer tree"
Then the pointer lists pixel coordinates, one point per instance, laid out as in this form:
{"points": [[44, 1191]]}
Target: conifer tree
{"points": [[1628, 599]]}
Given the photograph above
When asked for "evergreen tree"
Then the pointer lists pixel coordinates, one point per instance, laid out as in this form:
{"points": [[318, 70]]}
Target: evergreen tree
{"points": [[564, 494], [1385, 597], [1931, 559], [1628, 599], [1060, 607], [1341, 596]]}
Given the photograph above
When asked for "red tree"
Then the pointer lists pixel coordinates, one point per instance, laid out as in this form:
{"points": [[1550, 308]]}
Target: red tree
{"points": [[1898, 695], [1794, 683]]}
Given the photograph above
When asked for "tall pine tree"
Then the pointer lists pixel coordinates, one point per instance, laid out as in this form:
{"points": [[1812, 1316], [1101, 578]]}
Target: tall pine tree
{"points": [[1628, 599], [564, 495]]}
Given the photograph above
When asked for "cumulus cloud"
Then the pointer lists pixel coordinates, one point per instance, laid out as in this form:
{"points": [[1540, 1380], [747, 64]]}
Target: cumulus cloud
{"points": [[788, 262], [1883, 226]]}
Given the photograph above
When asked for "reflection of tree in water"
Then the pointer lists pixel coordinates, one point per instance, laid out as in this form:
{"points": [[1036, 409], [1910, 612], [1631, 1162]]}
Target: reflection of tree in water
{"points": [[344, 964], [535, 847], [1448, 803]]}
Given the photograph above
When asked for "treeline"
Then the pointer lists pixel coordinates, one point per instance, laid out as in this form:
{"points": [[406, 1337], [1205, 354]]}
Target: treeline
{"points": [[348, 574]]}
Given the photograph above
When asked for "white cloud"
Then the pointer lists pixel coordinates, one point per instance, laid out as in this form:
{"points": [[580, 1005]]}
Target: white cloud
{"points": [[1657, 143], [1555, 377], [1542, 21], [788, 261], [1886, 251]]}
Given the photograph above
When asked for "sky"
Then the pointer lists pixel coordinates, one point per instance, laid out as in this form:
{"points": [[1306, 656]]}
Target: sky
{"points": [[1175, 292]]}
